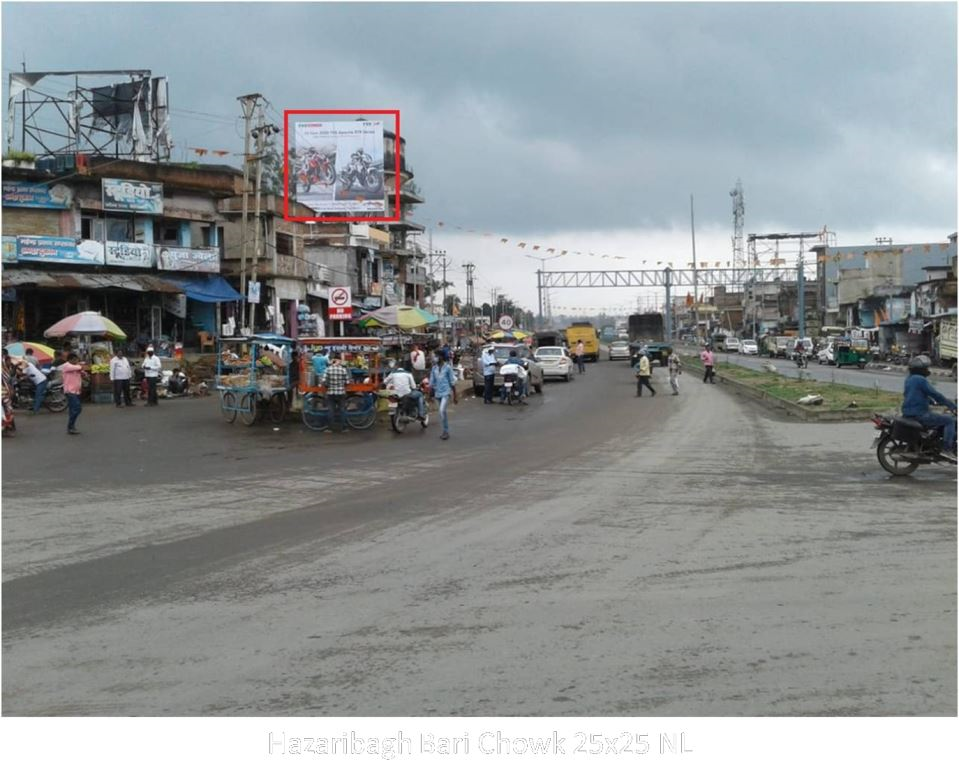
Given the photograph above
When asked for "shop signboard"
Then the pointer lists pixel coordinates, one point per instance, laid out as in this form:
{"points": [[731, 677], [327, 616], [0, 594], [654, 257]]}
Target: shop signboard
{"points": [[341, 303], [30, 194], [132, 196], [188, 259], [56, 250], [129, 255], [9, 249]]}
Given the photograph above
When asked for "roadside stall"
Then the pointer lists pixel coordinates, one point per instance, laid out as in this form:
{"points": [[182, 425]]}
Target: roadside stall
{"points": [[363, 357], [253, 377]]}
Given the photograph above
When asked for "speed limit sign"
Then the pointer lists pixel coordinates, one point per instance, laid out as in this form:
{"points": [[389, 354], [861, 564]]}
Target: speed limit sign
{"points": [[341, 304], [505, 322]]}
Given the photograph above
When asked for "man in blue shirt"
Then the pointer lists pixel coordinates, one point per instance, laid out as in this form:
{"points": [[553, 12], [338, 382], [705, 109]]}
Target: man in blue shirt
{"points": [[443, 386], [918, 393]]}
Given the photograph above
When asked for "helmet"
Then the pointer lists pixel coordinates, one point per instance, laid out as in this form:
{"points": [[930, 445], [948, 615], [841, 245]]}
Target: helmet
{"points": [[920, 364]]}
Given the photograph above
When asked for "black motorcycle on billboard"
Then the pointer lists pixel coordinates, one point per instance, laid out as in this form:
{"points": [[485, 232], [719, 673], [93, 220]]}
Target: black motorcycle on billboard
{"points": [[360, 173]]}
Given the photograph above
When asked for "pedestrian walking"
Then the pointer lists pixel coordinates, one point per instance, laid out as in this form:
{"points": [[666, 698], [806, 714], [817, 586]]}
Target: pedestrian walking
{"points": [[336, 379], [72, 374], [488, 361], [121, 372], [151, 370], [643, 375], [709, 363], [443, 385], [39, 380], [675, 369], [581, 356]]}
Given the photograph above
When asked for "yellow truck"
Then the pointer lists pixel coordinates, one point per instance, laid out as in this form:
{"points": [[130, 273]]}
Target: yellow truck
{"points": [[586, 333]]}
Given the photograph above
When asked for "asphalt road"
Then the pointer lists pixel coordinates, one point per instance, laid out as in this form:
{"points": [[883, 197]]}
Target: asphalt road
{"points": [[591, 554]]}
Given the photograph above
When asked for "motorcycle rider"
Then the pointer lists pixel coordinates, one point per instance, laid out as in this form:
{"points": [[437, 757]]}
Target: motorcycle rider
{"points": [[404, 385], [800, 352], [514, 366], [30, 371], [918, 393]]}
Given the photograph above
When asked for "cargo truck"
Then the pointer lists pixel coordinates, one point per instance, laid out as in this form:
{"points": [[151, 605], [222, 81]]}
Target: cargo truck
{"points": [[586, 333], [647, 330]]}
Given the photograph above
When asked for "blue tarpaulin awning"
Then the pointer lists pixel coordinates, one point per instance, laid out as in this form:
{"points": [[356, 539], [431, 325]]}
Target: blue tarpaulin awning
{"points": [[211, 289]]}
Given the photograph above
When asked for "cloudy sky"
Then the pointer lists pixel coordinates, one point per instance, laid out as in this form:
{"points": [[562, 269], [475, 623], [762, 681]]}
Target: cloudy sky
{"points": [[576, 126]]}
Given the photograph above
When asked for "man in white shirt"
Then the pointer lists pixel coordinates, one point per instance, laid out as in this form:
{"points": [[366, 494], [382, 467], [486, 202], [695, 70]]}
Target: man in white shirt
{"points": [[403, 384], [418, 361], [151, 370], [39, 380], [121, 372]]}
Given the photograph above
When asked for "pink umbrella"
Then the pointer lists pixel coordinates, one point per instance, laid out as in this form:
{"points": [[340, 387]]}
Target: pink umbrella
{"points": [[92, 323]]}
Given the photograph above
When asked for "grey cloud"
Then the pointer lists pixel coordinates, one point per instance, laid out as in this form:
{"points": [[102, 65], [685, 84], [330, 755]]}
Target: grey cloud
{"points": [[523, 116]]}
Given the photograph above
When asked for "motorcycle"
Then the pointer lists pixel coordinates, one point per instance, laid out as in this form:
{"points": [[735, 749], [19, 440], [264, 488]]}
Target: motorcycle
{"points": [[315, 169], [363, 176], [904, 444], [54, 400], [802, 360], [403, 410]]}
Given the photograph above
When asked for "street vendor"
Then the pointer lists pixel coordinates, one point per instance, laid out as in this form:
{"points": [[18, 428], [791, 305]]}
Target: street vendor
{"points": [[320, 361]]}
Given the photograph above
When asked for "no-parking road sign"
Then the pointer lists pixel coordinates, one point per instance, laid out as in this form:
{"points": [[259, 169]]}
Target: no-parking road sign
{"points": [[341, 304]]}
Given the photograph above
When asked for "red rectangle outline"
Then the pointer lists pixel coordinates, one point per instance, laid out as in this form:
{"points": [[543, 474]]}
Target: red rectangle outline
{"points": [[286, 166]]}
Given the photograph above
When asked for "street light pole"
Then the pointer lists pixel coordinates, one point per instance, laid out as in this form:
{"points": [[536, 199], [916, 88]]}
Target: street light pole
{"points": [[539, 282]]}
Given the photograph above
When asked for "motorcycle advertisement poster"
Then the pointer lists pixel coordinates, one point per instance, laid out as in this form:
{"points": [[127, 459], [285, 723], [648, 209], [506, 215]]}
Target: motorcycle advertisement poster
{"points": [[339, 166]]}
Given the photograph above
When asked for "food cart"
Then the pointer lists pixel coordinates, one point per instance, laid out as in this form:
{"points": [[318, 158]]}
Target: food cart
{"points": [[253, 377], [362, 356]]}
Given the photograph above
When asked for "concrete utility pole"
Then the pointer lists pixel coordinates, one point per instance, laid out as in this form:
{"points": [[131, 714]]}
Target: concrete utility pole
{"points": [[470, 300], [539, 282], [249, 104], [444, 263]]}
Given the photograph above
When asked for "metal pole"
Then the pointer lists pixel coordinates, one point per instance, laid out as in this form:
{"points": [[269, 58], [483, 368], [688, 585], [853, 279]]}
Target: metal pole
{"points": [[539, 296], [692, 227], [669, 306]]}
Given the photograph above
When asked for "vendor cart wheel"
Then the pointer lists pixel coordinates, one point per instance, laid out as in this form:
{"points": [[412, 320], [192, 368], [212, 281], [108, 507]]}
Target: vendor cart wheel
{"points": [[228, 406], [360, 411], [315, 413], [247, 408], [276, 409]]}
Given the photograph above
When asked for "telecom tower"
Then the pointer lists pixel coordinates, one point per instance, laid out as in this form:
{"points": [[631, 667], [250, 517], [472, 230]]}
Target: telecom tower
{"points": [[739, 216]]}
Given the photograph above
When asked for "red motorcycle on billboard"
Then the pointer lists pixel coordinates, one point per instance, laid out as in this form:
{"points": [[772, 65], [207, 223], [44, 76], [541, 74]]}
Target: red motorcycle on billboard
{"points": [[315, 168]]}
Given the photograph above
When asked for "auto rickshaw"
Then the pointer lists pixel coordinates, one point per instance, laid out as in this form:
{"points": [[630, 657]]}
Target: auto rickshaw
{"points": [[851, 352]]}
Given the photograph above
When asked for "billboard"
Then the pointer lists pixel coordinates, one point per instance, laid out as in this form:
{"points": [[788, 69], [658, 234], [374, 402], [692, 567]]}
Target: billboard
{"points": [[132, 196], [337, 167]]}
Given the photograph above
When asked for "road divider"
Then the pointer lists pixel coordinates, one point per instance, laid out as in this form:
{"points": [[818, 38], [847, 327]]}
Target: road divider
{"points": [[840, 402]]}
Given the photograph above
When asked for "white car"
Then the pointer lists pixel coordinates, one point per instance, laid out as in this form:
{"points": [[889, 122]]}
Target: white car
{"points": [[826, 355], [749, 347], [619, 350], [556, 362], [731, 344]]}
